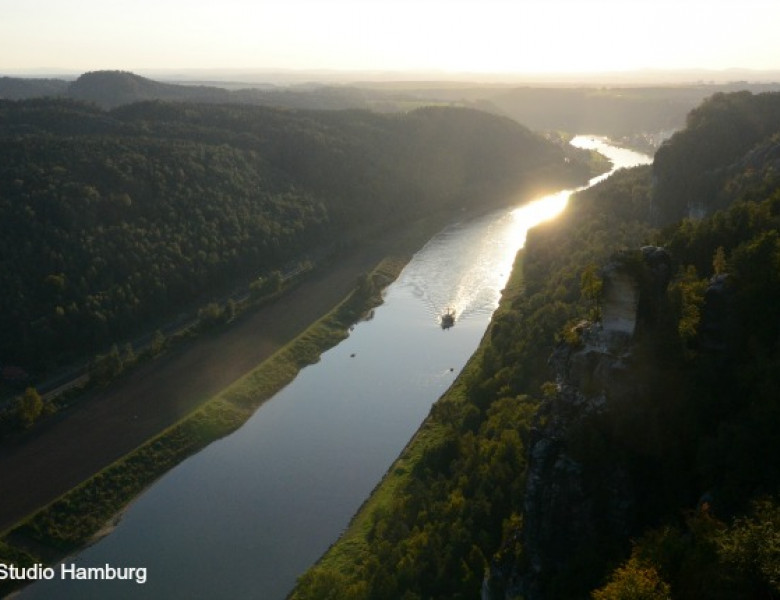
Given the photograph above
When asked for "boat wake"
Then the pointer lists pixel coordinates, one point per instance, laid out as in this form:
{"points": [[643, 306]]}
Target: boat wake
{"points": [[466, 280], [465, 267]]}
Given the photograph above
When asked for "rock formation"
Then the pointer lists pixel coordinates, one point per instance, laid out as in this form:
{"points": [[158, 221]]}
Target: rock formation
{"points": [[579, 500]]}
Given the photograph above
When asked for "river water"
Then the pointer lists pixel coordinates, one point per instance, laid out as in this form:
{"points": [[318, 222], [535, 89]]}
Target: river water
{"points": [[250, 513]]}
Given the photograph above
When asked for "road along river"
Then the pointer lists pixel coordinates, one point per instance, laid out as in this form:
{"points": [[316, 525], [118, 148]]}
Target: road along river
{"points": [[250, 513]]}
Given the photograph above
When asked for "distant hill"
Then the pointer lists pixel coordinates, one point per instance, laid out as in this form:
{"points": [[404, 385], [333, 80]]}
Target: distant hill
{"points": [[17, 88], [110, 89]]}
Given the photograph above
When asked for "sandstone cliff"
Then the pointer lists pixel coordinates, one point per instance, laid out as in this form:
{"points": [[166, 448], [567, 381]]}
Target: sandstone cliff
{"points": [[580, 498]]}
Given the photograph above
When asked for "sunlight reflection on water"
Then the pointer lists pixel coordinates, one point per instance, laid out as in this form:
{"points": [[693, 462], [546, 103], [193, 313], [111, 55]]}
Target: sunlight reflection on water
{"points": [[469, 277]]}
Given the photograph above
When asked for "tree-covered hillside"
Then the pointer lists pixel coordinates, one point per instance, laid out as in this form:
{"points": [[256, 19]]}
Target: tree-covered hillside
{"points": [[111, 221], [729, 135], [615, 434], [17, 88], [110, 89]]}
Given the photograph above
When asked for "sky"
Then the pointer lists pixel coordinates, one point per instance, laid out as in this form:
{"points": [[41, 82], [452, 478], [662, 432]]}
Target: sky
{"points": [[455, 36]]}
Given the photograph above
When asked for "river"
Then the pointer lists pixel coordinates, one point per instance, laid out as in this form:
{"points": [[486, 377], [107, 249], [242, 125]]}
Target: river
{"points": [[250, 513]]}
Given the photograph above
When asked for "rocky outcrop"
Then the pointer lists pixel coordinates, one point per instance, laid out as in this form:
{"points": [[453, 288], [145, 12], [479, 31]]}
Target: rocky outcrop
{"points": [[569, 506], [619, 303], [579, 498], [718, 324]]}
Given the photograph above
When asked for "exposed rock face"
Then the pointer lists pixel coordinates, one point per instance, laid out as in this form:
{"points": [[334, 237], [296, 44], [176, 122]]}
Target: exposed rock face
{"points": [[569, 507], [717, 318], [657, 275], [620, 298], [574, 503], [631, 298]]}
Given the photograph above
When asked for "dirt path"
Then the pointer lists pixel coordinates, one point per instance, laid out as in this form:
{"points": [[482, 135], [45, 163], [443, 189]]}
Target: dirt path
{"points": [[36, 469]]}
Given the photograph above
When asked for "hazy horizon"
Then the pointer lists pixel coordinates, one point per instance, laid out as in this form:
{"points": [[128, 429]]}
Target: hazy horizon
{"points": [[237, 78], [494, 40]]}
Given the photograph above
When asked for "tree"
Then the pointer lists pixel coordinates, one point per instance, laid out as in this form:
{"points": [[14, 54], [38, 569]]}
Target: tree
{"points": [[229, 312], [129, 357], [591, 289], [634, 581], [719, 261], [274, 282], [257, 289], [210, 316], [751, 547], [106, 367], [158, 343], [688, 294], [29, 407]]}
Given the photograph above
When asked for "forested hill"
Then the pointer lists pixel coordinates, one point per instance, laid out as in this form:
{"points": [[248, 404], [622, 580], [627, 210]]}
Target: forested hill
{"points": [[110, 89], [112, 220], [615, 436], [729, 136]]}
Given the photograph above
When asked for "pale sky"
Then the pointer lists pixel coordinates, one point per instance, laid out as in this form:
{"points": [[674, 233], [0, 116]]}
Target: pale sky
{"points": [[495, 36]]}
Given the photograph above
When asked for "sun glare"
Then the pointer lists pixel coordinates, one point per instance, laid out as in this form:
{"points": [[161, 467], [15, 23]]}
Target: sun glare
{"points": [[536, 212], [491, 36]]}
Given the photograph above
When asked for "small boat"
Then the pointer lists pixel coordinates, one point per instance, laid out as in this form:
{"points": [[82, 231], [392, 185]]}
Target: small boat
{"points": [[448, 319]]}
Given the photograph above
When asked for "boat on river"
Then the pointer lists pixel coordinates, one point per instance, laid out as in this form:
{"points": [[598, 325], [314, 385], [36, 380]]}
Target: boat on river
{"points": [[448, 319]]}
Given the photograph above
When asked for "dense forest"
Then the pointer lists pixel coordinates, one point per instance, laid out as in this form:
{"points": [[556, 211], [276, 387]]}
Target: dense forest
{"points": [[584, 453], [113, 221]]}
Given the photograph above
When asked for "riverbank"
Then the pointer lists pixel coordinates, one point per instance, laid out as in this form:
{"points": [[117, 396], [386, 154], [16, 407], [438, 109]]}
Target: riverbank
{"points": [[102, 429], [91, 434], [74, 519]]}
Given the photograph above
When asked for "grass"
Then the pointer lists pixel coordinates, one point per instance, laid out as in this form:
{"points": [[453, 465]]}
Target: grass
{"points": [[74, 519]]}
